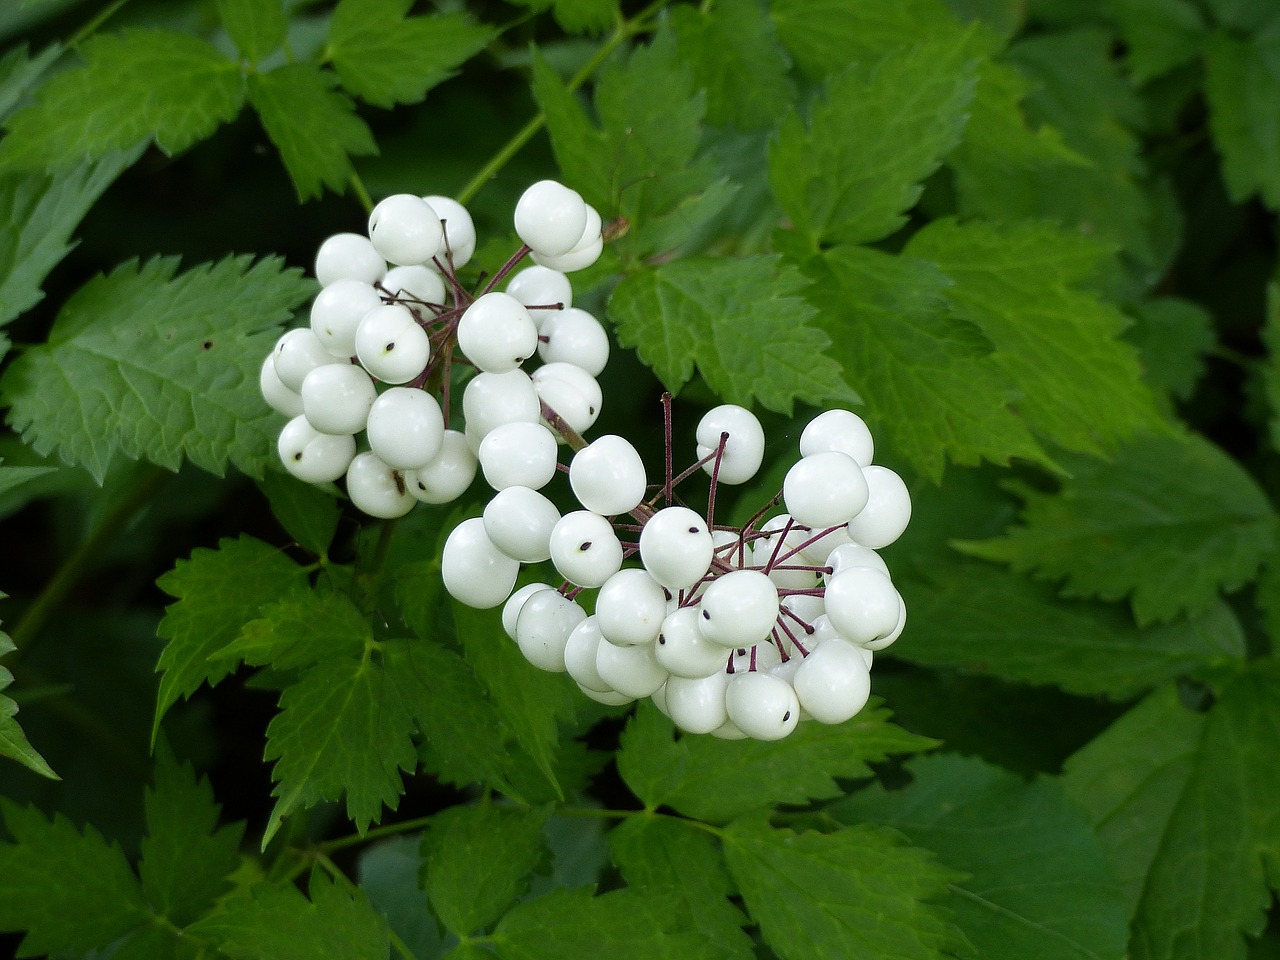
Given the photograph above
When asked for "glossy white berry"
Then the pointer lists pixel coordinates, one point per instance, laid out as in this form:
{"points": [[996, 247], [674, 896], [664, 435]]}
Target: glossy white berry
{"points": [[585, 549], [539, 289], [834, 682], [337, 398], [511, 609], [377, 488], [683, 649], [406, 427], [579, 258], [744, 450], [415, 283], [571, 392], [839, 431], [297, 353], [459, 230], [475, 572], [580, 655], [676, 547], [518, 454], [312, 456], [449, 473], [496, 333], [698, 705], [762, 706], [821, 541], [391, 345], [879, 643], [405, 229], [779, 554], [348, 256], [550, 218], [492, 399], [888, 509], [738, 609], [575, 336], [610, 698], [850, 555], [279, 397], [607, 476], [631, 607], [863, 604], [543, 627], [336, 312], [825, 489], [633, 670], [519, 521]]}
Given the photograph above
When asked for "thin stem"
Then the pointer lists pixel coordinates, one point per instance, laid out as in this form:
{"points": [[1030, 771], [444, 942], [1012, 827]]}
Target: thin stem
{"points": [[90, 28], [361, 192], [667, 443]]}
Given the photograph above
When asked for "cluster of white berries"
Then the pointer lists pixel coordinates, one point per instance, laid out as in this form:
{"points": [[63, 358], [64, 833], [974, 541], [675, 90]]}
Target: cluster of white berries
{"points": [[390, 320], [734, 631]]}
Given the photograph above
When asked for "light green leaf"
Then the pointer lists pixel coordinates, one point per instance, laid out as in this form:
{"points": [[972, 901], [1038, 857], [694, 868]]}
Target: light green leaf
{"points": [[135, 85], [1242, 84], [858, 892], [307, 512], [717, 780], [1025, 287], [13, 742], [314, 126], [301, 628], [146, 363], [20, 73], [70, 890], [1171, 520], [740, 320], [1040, 884], [1187, 805], [928, 378], [258, 27], [276, 922], [854, 171], [385, 57], [478, 861], [983, 619], [217, 592], [342, 728]]}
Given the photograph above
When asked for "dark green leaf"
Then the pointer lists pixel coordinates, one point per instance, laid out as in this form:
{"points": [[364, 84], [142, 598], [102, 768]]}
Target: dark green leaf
{"points": [[1160, 35], [258, 27], [20, 73], [826, 35], [308, 513], [301, 628], [1242, 83], [13, 742], [1174, 335]]}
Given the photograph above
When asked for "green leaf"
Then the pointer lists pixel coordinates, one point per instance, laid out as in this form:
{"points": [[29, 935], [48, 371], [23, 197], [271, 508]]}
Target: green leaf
{"points": [[826, 35], [1160, 35], [624, 924], [665, 852], [301, 628], [173, 362], [20, 73], [986, 620], [135, 85], [258, 27], [385, 57], [276, 922], [314, 126], [717, 780], [740, 320], [1242, 82], [1187, 806], [1271, 372], [533, 703], [187, 859], [478, 862], [737, 61], [217, 593], [1040, 883], [1174, 336], [40, 212], [858, 892], [71, 891], [342, 728], [1021, 285], [13, 742], [928, 378], [307, 512], [851, 175], [1171, 520]]}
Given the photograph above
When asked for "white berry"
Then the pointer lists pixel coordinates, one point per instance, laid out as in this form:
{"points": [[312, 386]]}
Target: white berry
{"points": [[519, 521], [337, 398], [863, 604], [676, 547], [415, 283], [571, 392], [543, 627], [459, 230], [541, 287], [633, 670], [297, 353], [550, 218], [575, 336], [336, 312], [312, 456], [738, 609], [698, 705], [377, 488], [511, 609], [631, 607], [496, 333], [406, 427], [449, 473], [475, 572], [348, 256], [492, 399], [841, 431], [744, 449], [762, 706], [391, 345], [683, 649], [585, 549], [518, 454], [405, 229], [279, 397], [834, 682], [887, 512], [825, 489], [607, 476]]}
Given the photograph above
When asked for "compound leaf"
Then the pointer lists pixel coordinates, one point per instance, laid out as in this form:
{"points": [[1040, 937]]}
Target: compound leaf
{"points": [[301, 628], [258, 27], [146, 362]]}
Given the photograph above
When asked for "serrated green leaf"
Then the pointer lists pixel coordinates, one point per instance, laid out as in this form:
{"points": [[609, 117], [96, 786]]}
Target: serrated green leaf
{"points": [[186, 857], [1242, 82], [982, 619], [217, 592], [1040, 884], [1200, 791], [736, 59], [927, 377], [173, 362], [314, 126], [665, 852], [740, 320], [301, 628], [577, 16], [258, 27], [1160, 35], [70, 890], [717, 780], [1174, 336], [388, 875], [13, 742], [20, 73], [307, 512], [624, 924], [1024, 287], [851, 174], [861, 891], [276, 922], [135, 85], [478, 861], [342, 728], [385, 57], [1171, 521], [825, 35], [532, 703]]}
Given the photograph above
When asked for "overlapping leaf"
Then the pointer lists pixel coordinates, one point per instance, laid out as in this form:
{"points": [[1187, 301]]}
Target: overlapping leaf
{"points": [[149, 363], [258, 27], [1242, 83], [13, 742], [825, 35]]}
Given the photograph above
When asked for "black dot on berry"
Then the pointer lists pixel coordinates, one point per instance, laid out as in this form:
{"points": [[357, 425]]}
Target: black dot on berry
{"points": [[390, 346], [662, 639], [786, 716], [422, 486], [298, 455], [591, 410], [586, 545], [693, 529], [705, 615], [519, 360]]}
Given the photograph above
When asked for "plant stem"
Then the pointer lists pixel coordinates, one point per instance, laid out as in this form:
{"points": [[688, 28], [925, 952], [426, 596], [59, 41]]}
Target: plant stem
{"points": [[90, 28], [361, 192]]}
